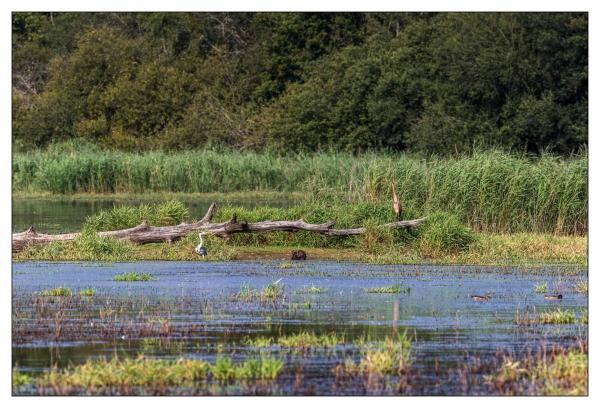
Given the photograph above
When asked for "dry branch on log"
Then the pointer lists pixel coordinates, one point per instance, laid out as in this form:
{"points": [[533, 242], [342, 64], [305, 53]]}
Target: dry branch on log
{"points": [[145, 233]]}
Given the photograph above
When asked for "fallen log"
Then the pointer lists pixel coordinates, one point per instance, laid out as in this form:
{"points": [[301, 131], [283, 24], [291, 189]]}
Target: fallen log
{"points": [[145, 233]]}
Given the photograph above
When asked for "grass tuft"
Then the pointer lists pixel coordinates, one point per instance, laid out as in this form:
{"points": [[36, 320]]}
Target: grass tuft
{"points": [[390, 356], [558, 316], [87, 292], [541, 288], [395, 289], [133, 277], [582, 287], [302, 340], [59, 291]]}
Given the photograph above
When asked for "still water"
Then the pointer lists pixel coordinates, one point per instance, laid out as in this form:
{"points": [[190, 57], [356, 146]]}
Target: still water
{"points": [[59, 216], [197, 299]]}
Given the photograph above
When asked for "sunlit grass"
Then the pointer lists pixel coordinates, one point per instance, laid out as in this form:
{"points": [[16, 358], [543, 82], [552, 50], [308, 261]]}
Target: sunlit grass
{"points": [[564, 373], [390, 356], [20, 379], [158, 374], [582, 287], [541, 288], [558, 316], [87, 292], [302, 340], [59, 291]]}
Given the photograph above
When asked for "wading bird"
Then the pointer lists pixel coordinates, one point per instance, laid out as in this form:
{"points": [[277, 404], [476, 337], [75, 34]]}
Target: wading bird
{"points": [[397, 206], [200, 250]]}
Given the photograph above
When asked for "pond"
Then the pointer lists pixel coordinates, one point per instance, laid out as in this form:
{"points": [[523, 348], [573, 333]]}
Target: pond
{"points": [[56, 216], [193, 310]]}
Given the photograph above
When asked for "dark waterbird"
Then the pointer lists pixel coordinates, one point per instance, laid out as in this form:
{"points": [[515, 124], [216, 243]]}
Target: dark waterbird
{"points": [[298, 255], [557, 296]]}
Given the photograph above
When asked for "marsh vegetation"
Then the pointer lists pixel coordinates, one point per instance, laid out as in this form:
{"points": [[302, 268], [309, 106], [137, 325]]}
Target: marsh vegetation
{"points": [[209, 333]]}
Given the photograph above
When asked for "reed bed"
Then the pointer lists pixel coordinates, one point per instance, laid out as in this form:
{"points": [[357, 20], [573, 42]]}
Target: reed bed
{"points": [[491, 191]]}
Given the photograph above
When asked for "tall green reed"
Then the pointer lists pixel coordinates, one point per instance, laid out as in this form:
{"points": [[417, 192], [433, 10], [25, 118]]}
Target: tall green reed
{"points": [[490, 190]]}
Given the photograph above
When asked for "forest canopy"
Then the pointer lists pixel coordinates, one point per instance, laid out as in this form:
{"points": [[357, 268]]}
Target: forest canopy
{"points": [[431, 83]]}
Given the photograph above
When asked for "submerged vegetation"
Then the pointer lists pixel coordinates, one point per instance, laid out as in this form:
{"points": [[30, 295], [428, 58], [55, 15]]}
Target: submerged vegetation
{"points": [[487, 191]]}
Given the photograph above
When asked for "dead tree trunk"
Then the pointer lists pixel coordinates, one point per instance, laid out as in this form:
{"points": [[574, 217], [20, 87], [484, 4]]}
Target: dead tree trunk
{"points": [[145, 233]]}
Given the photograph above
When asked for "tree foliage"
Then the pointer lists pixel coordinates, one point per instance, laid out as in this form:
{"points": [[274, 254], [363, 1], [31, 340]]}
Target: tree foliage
{"points": [[423, 82]]}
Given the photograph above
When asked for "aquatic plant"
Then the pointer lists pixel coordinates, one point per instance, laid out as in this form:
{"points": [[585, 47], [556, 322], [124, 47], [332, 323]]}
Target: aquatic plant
{"points": [[87, 292], [274, 290], [286, 265], [59, 291], [223, 369], [140, 372], [395, 289], [582, 287], [153, 374], [20, 378], [313, 290], [390, 356], [558, 316], [246, 293], [558, 372], [133, 277], [263, 368], [302, 340], [541, 288]]}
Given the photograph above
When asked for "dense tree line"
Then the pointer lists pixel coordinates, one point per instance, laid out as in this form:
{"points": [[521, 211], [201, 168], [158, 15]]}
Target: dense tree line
{"points": [[422, 82]]}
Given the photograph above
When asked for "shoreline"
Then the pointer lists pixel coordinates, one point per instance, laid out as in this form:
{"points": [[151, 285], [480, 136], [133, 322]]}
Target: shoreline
{"points": [[527, 250]]}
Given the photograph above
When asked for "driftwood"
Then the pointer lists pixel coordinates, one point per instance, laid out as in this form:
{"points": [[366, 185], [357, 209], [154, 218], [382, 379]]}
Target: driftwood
{"points": [[145, 233]]}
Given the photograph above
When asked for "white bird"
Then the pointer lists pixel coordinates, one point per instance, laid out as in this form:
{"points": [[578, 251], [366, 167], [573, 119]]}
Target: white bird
{"points": [[200, 250]]}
